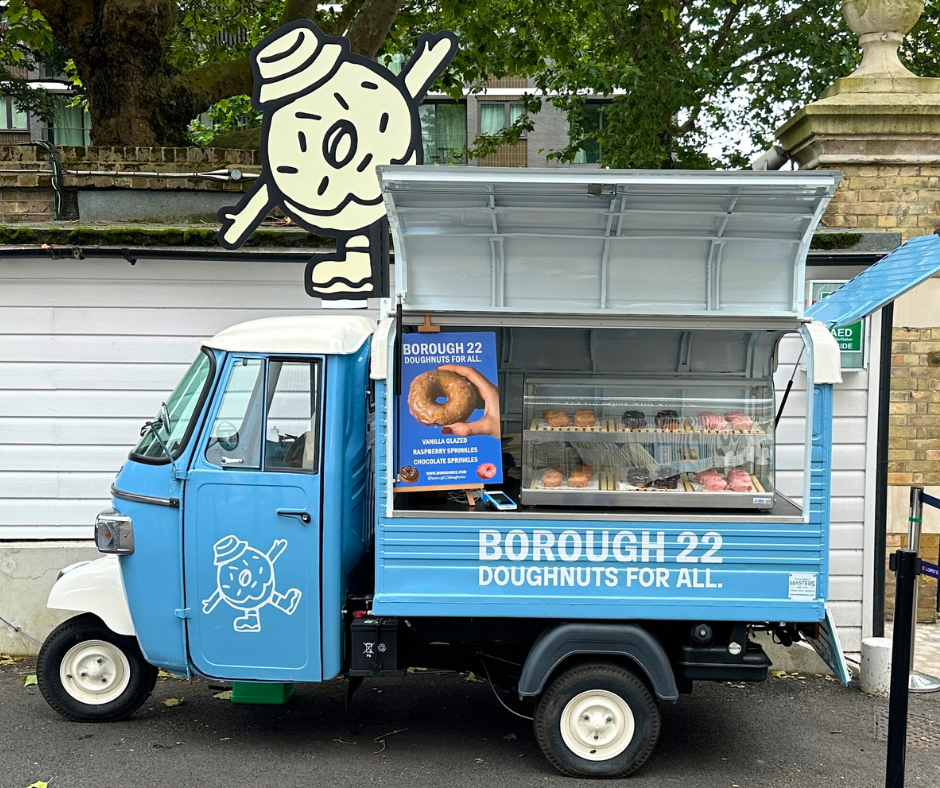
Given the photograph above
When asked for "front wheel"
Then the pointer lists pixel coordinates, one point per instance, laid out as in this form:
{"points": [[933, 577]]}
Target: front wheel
{"points": [[597, 720], [88, 673]]}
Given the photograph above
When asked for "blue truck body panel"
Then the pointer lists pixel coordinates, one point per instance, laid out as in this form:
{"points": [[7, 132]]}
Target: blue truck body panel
{"points": [[718, 568], [153, 573], [174, 629]]}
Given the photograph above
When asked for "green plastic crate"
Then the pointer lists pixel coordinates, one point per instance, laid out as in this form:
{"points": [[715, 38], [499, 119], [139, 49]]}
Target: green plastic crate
{"points": [[264, 692]]}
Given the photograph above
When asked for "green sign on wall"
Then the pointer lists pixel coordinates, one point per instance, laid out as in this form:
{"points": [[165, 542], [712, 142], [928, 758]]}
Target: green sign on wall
{"points": [[851, 338]]}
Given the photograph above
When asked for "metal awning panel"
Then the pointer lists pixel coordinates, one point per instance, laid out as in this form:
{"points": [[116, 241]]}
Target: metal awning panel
{"points": [[892, 276], [609, 242]]}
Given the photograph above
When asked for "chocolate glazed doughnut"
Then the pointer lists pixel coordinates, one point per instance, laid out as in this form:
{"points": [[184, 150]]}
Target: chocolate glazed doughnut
{"points": [[428, 387]]}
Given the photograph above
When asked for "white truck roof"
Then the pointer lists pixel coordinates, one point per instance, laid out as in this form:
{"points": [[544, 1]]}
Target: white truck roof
{"points": [[318, 334]]}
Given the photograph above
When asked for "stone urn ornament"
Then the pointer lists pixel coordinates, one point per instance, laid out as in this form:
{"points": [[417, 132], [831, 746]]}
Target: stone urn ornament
{"points": [[881, 26], [329, 117]]}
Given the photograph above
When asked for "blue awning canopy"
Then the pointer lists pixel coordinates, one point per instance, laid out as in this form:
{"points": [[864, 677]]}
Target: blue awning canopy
{"points": [[905, 268]]}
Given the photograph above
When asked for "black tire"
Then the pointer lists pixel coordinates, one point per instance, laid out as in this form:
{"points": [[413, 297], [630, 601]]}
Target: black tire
{"points": [[142, 675], [605, 677]]}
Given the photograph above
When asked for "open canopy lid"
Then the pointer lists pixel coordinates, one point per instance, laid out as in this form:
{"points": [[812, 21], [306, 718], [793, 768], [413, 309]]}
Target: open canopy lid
{"points": [[891, 277], [608, 242]]}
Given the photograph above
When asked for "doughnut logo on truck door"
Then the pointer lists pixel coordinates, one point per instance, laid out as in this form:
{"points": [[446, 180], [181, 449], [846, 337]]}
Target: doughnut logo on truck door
{"points": [[329, 118]]}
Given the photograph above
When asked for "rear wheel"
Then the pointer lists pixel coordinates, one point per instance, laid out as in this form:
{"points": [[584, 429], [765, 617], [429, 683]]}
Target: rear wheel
{"points": [[597, 720], [88, 673]]}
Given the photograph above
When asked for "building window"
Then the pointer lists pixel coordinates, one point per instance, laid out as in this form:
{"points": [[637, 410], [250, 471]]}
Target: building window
{"points": [[498, 115], [70, 125], [11, 117], [591, 152], [443, 132], [394, 63]]}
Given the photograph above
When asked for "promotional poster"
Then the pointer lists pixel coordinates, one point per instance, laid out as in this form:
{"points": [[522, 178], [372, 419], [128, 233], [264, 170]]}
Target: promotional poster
{"points": [[448, 416]]}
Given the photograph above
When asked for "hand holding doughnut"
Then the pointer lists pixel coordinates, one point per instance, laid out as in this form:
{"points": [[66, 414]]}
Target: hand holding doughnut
{"points": [[489, 424]]}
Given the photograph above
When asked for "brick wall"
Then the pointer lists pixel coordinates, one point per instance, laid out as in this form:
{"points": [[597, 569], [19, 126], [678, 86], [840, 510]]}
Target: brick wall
{"points": [[26, 193], [914, 442], [905, 198]]}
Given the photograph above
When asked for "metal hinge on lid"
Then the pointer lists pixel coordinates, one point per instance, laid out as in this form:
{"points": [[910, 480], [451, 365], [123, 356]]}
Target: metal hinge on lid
{"points": [[182, 612]]}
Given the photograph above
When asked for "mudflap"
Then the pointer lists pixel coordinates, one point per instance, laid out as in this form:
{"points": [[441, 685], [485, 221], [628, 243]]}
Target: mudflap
{"points": [[825, 642]]}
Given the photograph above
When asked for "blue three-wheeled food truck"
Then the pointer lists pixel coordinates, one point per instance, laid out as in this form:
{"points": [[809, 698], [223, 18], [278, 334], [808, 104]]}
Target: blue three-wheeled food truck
{"points": [[551, 460]]}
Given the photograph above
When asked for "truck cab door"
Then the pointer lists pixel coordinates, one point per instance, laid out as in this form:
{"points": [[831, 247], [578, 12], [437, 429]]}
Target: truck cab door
{"points": [[251, 524]]}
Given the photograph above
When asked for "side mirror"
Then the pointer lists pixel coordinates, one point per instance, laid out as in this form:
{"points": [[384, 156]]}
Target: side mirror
{"points": [[164, 417]]}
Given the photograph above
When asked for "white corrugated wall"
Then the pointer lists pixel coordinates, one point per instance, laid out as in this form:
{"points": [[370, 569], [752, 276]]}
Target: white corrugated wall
{"points": [[89, 348]]}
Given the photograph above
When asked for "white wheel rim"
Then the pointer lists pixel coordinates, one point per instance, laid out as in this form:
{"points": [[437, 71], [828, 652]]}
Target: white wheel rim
{"points": [[95, 672], [597, 725]]}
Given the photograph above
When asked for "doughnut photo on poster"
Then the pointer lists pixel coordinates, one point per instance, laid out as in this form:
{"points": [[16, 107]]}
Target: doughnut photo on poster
{"points": [[449, 411]]}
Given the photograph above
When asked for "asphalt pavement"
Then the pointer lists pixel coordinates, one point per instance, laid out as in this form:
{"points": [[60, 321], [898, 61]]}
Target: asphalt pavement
{"points": [[446, 730]]}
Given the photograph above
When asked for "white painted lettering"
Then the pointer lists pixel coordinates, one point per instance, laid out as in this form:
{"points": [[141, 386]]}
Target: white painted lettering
{"points": [[512, 553], [625, 555], [542, 542], [574, 552], [489, 546], [658, 547], [589, 546]]}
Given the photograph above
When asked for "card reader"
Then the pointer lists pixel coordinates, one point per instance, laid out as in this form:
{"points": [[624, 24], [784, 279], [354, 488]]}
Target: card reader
{"points": [[499, 500]]}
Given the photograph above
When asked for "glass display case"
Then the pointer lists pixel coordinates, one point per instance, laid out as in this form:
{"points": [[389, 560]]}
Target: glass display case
{"points": [[691, 443]]}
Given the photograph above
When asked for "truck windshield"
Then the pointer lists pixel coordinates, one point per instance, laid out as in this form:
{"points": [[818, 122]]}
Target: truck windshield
{"points": [[181, 407]]}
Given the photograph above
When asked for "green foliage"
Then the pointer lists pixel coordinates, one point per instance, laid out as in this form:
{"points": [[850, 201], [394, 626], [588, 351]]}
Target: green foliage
{"points": [[28, 43], [686, 83], [226, 115], [682, 76], [212, 31]]}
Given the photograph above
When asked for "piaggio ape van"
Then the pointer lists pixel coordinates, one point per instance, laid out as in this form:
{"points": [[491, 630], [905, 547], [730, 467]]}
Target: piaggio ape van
{"points": [[592, 353]]}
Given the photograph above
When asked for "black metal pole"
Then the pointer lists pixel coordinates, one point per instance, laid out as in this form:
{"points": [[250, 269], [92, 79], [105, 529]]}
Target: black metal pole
{"points": [[786, 393], [881, 471], [906, 566]]}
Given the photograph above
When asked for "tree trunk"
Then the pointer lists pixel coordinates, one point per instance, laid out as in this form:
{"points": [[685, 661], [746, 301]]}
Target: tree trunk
{"points": [[135, 95]]}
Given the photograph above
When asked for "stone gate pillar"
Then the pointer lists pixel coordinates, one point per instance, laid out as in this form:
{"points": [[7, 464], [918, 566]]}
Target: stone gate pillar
{"points": [[881, 127]]}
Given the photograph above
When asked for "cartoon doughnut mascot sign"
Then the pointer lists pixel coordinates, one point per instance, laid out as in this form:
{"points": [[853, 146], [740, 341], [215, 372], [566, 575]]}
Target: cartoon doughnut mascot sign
{"points": [[329, 118]]}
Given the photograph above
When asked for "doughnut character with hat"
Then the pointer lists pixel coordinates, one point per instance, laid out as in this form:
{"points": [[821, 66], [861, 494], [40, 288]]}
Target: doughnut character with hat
{"points": [[330, 117], [245, 581]]}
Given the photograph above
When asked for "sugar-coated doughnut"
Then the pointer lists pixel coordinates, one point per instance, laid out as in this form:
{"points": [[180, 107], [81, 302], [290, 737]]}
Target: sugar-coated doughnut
{"points": [[580, 476], [428, 387], [555, 418], [584, 418]]}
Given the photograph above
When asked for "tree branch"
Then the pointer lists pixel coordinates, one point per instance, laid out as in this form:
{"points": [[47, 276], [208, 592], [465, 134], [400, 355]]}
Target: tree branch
{"points": [[344, 20], [64, 15], [745, 64], [689, 125], [212, 82], [298, 9], [725, 30], [370, 27]]}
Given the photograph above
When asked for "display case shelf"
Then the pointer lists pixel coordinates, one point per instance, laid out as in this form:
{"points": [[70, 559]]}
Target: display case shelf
{"points": [[693, 443]]}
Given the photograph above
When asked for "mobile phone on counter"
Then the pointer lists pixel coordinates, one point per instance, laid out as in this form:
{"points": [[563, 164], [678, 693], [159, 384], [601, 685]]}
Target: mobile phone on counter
{"points": [[499, 500]]}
